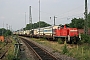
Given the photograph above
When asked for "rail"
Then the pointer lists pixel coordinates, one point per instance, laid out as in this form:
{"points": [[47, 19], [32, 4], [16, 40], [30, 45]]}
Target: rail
{"points": [[41, 53]]}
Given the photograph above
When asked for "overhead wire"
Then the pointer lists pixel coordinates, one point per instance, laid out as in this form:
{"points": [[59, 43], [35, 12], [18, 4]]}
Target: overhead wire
{"points": [[64, 13], [69, 11], [70, 16], [61, 13]]}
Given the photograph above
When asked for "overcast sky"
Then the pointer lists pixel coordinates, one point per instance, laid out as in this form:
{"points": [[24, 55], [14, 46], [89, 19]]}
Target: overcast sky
{"points": [[12, 12]]}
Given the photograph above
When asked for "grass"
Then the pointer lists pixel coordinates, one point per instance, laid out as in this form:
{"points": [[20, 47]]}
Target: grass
{"points": [[54, 45], [80, 52], [2, 44], [10, 55]]}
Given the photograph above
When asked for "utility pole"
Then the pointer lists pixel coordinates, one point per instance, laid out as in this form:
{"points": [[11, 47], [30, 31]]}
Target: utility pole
{"points": [[54, 20], [25, 20], [86, 21], [30, 20], [11, 28], [50, 18], [39, 18], [7, 26]]}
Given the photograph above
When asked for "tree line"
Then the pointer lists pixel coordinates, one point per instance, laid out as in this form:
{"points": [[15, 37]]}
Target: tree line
{"points": [[36, 25], [5, 32]]}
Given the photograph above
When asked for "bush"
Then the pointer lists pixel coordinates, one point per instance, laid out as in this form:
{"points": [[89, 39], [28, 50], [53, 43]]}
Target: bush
{"points": [[65, 50], [85, 38]]}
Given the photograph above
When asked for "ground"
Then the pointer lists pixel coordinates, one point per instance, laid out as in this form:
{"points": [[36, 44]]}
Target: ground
{"points": [[52, 50]]}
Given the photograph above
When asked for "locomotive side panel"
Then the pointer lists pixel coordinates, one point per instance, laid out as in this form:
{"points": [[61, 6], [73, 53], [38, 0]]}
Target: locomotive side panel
{"points": [[64, 32], [73, 32]]}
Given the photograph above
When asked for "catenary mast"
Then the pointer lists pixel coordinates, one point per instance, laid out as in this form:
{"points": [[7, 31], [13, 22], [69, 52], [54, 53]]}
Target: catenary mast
{"points": [[30, 18], [39, 18], [86, 20]]}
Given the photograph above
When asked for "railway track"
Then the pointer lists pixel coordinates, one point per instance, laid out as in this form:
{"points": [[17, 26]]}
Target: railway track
{"points": [[3, 54], [41, 53], [4, 49]]}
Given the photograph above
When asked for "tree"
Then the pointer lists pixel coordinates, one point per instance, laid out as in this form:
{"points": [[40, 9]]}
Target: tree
{"points": [[2, 31], [43, 24], [36, 25], [77, 23], [28, 26], [5, 32]]}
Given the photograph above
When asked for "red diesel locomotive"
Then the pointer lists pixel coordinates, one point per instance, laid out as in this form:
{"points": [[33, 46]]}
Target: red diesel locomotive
{"points": [[68, 34]]}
